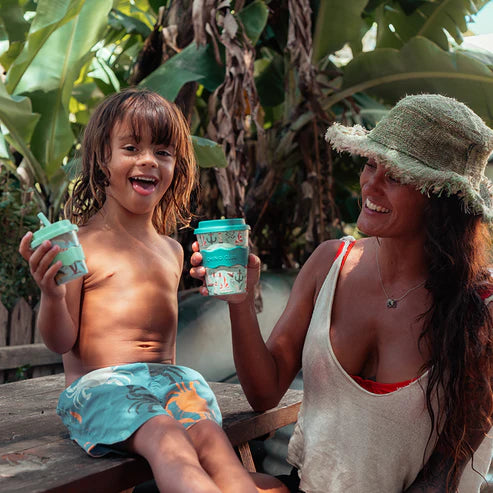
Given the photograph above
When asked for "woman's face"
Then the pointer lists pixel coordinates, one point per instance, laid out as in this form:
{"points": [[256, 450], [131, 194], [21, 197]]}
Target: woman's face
{"points": [[389, 209]]}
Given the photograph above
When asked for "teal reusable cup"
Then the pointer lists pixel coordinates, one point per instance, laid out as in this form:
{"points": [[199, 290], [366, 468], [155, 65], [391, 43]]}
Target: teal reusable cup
{"points": [[64, 234], [224, 248]]}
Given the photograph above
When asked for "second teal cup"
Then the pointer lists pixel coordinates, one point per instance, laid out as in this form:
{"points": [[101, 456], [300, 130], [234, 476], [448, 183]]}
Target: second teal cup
{"points": [[224, 248]]}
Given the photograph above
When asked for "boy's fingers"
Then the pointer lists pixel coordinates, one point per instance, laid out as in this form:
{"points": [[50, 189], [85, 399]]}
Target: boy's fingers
{"points": [[195, 246], [45, 262], [25, 245], [42, 257], [51, 271]]}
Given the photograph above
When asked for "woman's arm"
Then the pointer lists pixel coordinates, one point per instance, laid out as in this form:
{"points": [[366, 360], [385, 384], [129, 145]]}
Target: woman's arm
{"points": [[266, 370]]}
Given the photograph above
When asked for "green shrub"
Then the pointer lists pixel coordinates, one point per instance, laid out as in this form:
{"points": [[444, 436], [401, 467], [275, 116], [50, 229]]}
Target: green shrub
{"points": [[17, 216]]}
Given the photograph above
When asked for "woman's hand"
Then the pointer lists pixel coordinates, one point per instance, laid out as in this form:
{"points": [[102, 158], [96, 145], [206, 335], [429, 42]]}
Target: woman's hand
{"points": [[198, 272], [40, 266]]}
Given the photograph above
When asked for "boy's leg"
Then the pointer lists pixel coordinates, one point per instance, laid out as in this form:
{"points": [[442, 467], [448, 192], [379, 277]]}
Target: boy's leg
{"points": [[164, 443], [217, 457]]}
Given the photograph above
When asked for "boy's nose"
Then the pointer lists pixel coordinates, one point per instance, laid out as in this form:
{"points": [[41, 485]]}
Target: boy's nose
{"points": [[147, 158]]}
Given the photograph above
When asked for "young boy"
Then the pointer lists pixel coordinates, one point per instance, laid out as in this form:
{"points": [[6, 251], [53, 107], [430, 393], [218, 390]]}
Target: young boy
{"points": [[116, 327]]}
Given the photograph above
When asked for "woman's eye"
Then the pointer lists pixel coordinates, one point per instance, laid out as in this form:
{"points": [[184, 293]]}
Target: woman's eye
{"points": [[392, 179], [370, 165]]}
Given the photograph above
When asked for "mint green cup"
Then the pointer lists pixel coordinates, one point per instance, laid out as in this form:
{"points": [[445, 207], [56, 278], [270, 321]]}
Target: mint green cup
{"points": [[224, 247], [64, 234]]}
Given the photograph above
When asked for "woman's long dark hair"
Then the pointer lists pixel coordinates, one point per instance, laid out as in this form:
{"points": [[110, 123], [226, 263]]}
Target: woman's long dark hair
{"points": [[458, 330]]}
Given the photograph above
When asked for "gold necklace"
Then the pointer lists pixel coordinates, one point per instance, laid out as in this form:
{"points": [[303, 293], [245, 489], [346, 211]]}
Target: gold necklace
{"points": [[392, 302]]}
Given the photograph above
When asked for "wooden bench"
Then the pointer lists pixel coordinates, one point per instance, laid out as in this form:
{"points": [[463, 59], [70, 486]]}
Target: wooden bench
{"points": [[37, 456]]}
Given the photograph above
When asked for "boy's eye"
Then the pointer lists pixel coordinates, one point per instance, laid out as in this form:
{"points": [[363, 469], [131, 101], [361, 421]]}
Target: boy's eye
{"points": [[129, 148]]}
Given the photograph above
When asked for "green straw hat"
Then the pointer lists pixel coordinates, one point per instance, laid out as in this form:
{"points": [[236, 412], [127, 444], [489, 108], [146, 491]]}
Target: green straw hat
{"points": [[430, 141]]}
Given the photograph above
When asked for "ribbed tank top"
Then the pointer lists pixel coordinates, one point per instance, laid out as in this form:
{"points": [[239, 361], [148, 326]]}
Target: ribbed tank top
{"points": [[349, 440]]}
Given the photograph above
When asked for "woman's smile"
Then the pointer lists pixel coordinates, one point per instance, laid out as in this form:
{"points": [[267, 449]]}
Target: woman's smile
{"points": [[374, 207]]}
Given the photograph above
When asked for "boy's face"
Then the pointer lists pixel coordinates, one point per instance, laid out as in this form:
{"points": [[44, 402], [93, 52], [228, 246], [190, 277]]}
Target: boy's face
{"points": [[140, 172]]}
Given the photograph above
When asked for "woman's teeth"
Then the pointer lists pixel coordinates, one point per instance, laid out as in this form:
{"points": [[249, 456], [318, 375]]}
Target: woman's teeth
{"points": [[375, 207]]}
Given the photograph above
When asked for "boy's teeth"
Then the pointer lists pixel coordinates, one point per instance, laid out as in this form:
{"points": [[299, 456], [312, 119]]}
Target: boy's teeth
{"points": [[375, 207], [143, 178]]}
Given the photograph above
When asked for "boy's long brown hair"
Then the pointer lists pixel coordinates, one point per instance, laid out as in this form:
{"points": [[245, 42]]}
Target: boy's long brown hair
{"points": [[458, 329], [143, 109]]}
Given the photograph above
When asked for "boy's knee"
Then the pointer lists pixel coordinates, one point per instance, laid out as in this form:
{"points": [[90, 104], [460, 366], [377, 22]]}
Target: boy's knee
{"points": [[161, 434], [206, 431]]}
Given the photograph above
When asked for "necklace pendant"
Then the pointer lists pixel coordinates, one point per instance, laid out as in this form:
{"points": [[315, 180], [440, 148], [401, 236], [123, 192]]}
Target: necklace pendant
{"points": [[391, 303]]}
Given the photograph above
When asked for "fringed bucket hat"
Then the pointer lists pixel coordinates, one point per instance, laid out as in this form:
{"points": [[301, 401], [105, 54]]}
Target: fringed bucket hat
{"points": [[430, 141]]}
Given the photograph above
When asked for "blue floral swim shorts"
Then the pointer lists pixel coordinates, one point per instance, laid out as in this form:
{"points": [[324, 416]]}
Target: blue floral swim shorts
{"points": [[106, 406]]}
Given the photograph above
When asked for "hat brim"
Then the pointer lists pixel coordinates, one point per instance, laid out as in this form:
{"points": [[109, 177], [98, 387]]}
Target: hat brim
{"points": [[410, 171]]}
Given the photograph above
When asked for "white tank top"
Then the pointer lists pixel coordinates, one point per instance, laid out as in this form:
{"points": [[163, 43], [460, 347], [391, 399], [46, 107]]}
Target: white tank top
{"points": [[349, 440]]}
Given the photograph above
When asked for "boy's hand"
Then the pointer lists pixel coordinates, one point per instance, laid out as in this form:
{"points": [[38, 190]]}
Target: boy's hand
{"points": [[40, 265], [198, 272]]}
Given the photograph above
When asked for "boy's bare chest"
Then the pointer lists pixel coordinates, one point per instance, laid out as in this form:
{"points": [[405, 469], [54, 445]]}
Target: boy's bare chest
{"points": [[131, 268]]}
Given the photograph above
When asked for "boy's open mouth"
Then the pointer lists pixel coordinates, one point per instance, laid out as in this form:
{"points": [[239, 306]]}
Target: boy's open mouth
{"points": [[143, 184]]}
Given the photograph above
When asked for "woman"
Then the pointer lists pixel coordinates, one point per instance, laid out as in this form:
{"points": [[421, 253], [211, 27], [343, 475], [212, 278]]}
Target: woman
{"points": [[393, 331]]}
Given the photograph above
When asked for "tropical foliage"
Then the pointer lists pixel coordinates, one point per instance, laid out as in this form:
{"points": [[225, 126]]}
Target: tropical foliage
{"points": [[257, 79]]}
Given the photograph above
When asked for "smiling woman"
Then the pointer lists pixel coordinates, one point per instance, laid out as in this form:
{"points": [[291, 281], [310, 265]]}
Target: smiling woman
{"points": [[393, 332]]}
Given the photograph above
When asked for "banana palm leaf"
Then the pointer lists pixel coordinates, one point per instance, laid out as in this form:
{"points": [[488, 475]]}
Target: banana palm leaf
{"points": [[19, 121], [209, 154], [430, 20], [193, 63], [50, 15], [50, 76], [420, 66], [337, 23]]}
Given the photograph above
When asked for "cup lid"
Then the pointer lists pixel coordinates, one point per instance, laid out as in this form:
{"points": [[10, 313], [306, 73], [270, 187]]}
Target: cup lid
{"points": [[50, 231], [219, 225]]}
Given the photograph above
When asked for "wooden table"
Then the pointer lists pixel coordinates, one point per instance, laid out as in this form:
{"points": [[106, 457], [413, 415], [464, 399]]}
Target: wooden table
{"points": [[37, 456]]}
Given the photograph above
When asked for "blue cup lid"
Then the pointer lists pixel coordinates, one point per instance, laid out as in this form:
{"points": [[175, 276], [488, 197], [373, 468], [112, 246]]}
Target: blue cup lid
{"points": [[219, 225]]}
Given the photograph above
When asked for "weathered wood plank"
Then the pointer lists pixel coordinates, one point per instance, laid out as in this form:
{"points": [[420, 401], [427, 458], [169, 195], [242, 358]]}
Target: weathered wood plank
{"points": [[27, 354], [4, 320], [37, 456], [37, 335], [21, 324]]}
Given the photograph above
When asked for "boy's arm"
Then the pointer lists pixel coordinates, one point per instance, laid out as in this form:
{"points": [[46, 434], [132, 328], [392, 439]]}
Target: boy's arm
{"points": [[58, 324]]}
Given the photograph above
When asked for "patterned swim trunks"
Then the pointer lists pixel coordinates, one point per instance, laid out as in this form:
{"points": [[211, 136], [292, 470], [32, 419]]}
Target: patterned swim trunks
{"points": [[106, 406]]}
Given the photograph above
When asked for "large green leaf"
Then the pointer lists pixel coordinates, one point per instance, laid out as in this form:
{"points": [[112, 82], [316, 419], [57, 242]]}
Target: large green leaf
{"points": [[430, 20], [420, 66], [337, 23], [50, 15], [19, 121], [254, 19], [13, 20], [269, 77], [193, 63], [209, 154], [49, 84]]}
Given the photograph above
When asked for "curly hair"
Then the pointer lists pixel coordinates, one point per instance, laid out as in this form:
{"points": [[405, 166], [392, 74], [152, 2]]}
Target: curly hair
{"points": [[144, 110], [458, 330]]}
